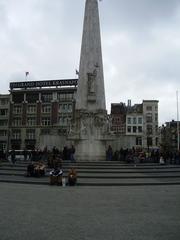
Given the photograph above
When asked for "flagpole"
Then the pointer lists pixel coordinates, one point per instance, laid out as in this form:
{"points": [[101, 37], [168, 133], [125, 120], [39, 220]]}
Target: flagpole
{"points": [[26, 75], [177, 120]]}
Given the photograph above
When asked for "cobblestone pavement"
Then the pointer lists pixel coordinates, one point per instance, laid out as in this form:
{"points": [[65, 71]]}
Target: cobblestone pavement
{"points": [[33, 212]]}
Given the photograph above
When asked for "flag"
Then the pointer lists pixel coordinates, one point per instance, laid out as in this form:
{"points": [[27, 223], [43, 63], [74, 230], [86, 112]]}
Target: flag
{"points": [[27, 73]]}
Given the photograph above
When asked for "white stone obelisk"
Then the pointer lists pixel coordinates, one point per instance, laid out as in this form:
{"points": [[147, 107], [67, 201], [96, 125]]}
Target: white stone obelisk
{"points": [[91, 62], [90, 125]]}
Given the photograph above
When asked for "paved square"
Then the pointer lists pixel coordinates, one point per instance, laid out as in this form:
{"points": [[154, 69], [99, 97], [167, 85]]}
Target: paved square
{"points": [[42, 212]]}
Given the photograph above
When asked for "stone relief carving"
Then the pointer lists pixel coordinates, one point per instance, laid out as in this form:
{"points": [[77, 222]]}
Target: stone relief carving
{"points": [[92, 82], [90, 124]]}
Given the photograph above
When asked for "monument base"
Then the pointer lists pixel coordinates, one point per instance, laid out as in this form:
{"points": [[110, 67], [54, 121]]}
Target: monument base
{"points": [[88, 150]]}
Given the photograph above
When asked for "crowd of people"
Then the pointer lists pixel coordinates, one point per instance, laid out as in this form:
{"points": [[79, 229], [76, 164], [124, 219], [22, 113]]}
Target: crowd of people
{"points": [[142, 156], [41, 160]]}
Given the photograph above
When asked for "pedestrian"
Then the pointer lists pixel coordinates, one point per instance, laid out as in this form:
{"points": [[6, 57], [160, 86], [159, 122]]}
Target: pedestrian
{"points": [[13, 157], [161, 160], [72, 152], [109, 153]]}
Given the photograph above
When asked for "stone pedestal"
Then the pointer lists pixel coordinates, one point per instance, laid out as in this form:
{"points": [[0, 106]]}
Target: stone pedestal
{"points": [[90, 150]]}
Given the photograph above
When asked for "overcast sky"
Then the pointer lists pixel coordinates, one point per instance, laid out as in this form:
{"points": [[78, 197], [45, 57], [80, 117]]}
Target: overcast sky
{"points": [[140, 42]]}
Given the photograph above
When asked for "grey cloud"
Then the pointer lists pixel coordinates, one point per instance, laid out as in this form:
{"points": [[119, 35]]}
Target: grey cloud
{"points": [[140, 40], [138, 13]]}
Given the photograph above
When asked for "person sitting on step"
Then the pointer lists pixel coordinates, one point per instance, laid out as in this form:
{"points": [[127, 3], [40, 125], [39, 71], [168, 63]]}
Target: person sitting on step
{"points": [[39, 169], [30, 170], [56, 176], [72, 177]]}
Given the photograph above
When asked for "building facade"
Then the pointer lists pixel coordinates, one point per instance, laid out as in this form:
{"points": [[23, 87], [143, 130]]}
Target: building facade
{"points": [[118, 118], [134, 124], [151, 129], [139, 123], [4, 121], [169, 136], [40, 113]]}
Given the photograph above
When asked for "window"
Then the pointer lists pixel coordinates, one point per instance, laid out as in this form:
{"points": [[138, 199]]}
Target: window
{"points": [[70, 107], [17, 109], [139, 141], [3, 146], [16, 134], [134, 120], [157, 141], [31, 109], [134, 129], [46, 108], [156, 129], [129, 120], [64, 107], [3, 122], [61, 96], [17, 122], [149, 141], [65, 96], [149, 108], [69, 96], [3, 133], [30, 134], [149, 117], [156, 117], [46, 97], [46, 121], [129, 129], [31, 121], [139, 120], [4, 101], [45, 131], [60, 120], [32, 97], [3, 112], [140, 129], [149, 129], [63, 121]]}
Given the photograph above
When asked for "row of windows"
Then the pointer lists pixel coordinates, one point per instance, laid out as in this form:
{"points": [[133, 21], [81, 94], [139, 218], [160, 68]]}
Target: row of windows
{"points": [[3, 112], [134, 120], [31, 133], [4, 101], [3, 122], [134, 129], [45, 108], [45, 121], [149, 141], [3, 133], [118, 129], [150, 108], [44, 97], [138, 129], [149, 117], [139, 120]]}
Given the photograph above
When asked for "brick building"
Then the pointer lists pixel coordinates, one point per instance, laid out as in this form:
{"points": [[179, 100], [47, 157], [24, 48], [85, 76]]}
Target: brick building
{"points": [[40, 112]]}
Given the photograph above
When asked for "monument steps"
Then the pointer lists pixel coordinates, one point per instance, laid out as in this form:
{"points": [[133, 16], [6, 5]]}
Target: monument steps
{"points": [[103, 176], [95, 182], [113, 174]]}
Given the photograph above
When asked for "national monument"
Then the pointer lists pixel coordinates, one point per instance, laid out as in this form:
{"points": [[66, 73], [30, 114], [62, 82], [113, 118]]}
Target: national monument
{"points": [[90, 128]]}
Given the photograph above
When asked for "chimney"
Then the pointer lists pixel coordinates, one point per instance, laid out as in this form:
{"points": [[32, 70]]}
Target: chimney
{"points": [[129, 102]]}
